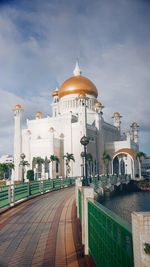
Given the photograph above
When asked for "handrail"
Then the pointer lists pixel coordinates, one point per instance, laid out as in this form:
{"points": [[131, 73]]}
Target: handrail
{"points": [[11, 194]]}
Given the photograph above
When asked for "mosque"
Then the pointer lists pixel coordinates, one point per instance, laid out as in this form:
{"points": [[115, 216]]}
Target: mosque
{"points": [[76, 112]]}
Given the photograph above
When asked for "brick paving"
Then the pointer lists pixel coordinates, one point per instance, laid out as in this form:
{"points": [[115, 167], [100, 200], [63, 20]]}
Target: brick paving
{"points": [[43, 232]]}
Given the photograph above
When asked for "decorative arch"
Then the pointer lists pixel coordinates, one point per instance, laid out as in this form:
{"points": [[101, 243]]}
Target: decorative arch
{"points": [[119, 165]]}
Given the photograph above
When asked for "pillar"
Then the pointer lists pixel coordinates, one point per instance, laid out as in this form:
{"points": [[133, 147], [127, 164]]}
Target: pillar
{"points": [[51, 137], [78, 186], [87, 192], [117, 120], [141, 238], [17, 141], [134, 126]]}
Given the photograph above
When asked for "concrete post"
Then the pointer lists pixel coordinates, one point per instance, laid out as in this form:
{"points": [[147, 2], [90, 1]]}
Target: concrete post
{"points": [[87, 192], [41, 187], [141, 238], [78, 185], [12, 194], [43, 172], [28, 185], [17, 141]]}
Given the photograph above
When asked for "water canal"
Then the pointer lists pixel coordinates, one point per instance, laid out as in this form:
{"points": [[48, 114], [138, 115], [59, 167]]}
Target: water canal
{"points": [[125, 203]]}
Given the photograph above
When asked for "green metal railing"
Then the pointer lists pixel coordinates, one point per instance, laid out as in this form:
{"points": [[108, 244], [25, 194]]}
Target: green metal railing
{"points": [[57, 183], [47, 185], [4, 196], [80, 204], [66, 182], [13, 193], [35, 188], [110, 238], [20, 191]]}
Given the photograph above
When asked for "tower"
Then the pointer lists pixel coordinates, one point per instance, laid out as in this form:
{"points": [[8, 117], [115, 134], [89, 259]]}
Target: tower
{"points": [[117, 122], [17, 141], [134, 126]]}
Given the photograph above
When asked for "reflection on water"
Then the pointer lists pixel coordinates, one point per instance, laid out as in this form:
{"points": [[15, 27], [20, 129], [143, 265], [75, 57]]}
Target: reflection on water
{"points": [[124, 204]]}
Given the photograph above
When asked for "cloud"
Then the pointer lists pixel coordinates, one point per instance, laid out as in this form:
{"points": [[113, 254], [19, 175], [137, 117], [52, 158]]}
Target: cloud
{"points": [[39, 44]]}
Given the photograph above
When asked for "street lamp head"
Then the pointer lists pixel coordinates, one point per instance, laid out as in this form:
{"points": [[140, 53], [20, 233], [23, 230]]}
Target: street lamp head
{"points": [[84, 140], [22, 156]]}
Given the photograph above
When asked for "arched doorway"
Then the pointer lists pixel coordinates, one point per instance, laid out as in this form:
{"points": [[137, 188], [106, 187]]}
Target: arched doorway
{"points": [[126, 166], [116, 166]]}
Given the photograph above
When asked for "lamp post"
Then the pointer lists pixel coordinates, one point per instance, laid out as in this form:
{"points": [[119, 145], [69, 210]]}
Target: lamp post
{"points": [[84, 141], [22, 156], [82, 165]]}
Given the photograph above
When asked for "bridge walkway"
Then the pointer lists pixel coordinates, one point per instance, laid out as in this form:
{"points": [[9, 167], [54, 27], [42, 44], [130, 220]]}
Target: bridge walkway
{"points": [[43, 231]]}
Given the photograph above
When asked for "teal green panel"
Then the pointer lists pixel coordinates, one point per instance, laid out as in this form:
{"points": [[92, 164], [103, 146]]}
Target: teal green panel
{"points": [[110, 238], [4, 196]]}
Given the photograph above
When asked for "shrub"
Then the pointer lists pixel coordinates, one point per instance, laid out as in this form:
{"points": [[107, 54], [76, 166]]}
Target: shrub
{"points": [[30, 175]]}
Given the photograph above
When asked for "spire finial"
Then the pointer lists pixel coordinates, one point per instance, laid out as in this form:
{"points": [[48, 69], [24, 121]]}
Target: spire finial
{"points": [[77, 71]]}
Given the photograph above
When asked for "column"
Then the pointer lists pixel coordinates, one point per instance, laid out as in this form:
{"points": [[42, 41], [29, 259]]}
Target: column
{"points": [[87, 192], [141, 238], [17, 142]]}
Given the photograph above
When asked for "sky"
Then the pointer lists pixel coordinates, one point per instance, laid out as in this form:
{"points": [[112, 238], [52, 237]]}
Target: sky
{"points": [[40, 41]]}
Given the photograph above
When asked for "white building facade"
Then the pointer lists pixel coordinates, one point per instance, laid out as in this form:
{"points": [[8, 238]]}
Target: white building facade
{"points": [[76, 112]]}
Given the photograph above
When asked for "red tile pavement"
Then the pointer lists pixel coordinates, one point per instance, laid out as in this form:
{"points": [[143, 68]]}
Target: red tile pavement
{"points": [[43, 232]]}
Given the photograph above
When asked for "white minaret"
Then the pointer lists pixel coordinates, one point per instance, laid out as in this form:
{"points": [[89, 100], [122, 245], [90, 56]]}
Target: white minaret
{"points": [[17, 142], [117, 122], [134, 126], [82, 103], [100, 138]]}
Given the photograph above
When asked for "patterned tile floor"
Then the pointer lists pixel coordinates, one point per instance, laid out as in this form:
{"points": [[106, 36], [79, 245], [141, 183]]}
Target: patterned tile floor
{"points": [[43, 232]]}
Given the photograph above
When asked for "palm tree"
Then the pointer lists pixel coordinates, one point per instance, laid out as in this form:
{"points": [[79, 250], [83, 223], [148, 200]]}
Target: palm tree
{"points": [[53, 159], [140, 156], [10, 167], [46, 165], [37, 161], [106, 161], [3, 170], [23, 163], [68, 157]]}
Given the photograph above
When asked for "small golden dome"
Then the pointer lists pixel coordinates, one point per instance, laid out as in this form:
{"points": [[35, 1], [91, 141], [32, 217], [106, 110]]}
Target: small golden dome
{"points": [[77, 85], [38, 114], [116, 114], [55, 93], [98, 104], [18, 107]]}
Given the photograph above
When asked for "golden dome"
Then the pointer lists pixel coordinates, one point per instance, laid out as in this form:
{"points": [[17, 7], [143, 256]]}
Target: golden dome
{"points": [[77, 85], [98, 104], [116, 114], [38, 114], [55, 93], [18, 107]]}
